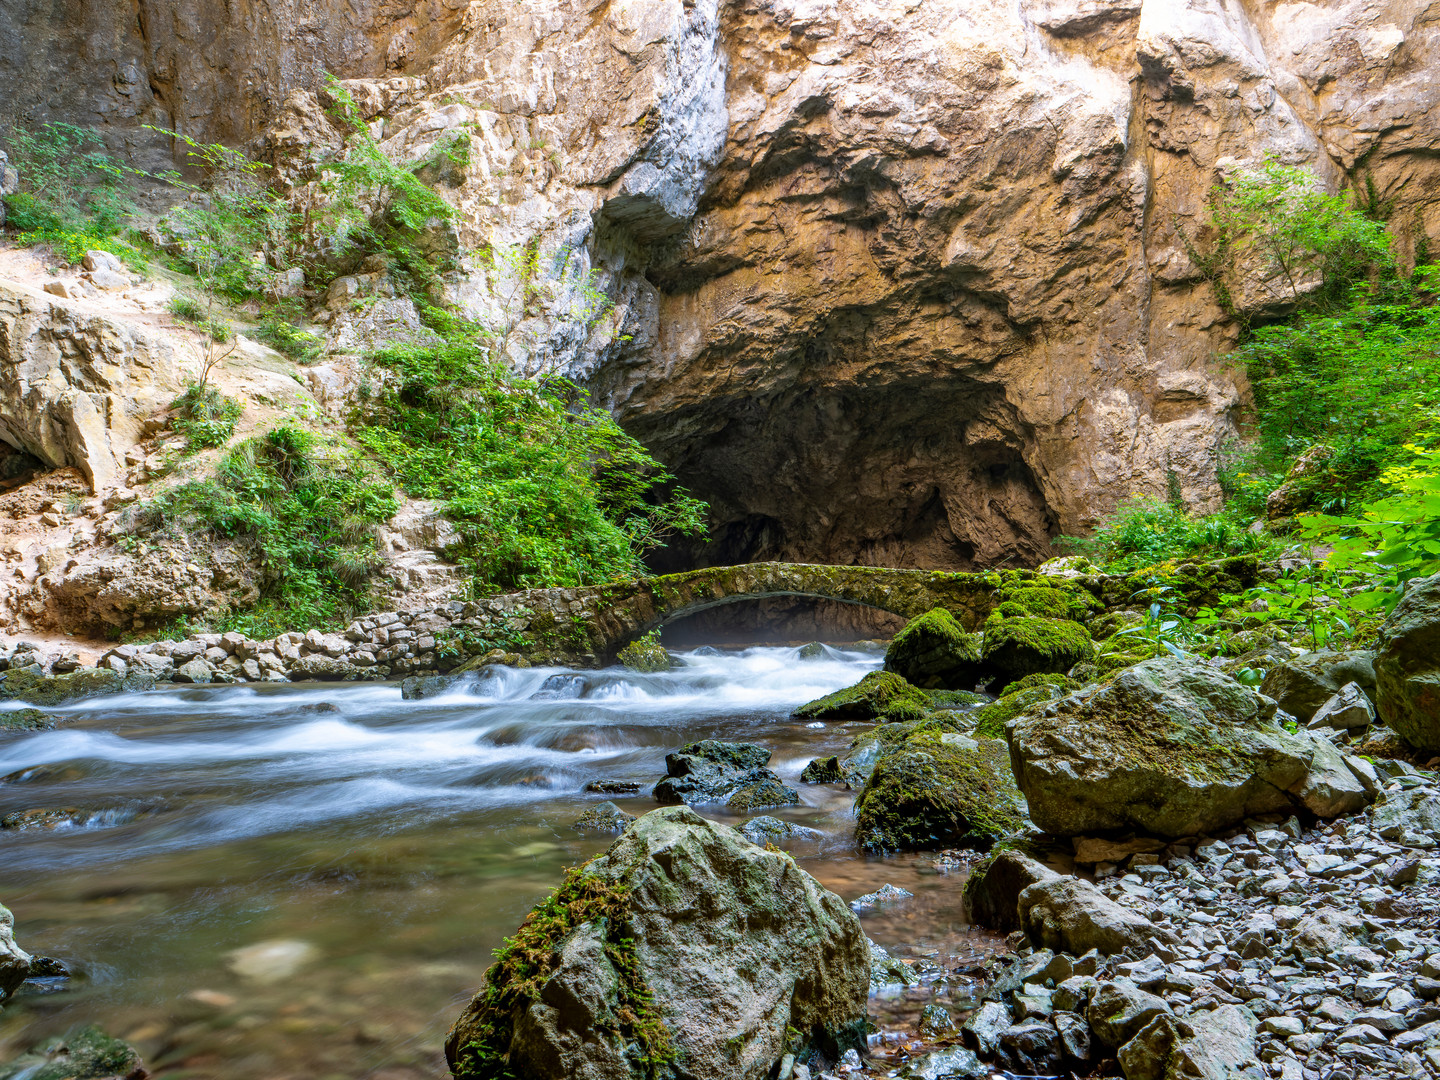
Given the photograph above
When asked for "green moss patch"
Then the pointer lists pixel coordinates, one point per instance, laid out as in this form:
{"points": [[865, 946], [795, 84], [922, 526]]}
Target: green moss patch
{"points": [[1047, 602], [524, 963], [1017, 647], [990, 720], [881, 695], [935, 652], [1044, 678]]}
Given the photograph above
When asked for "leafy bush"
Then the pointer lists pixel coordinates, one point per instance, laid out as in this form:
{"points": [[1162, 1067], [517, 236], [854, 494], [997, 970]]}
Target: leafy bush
{"points": [[546, 491], [309, 506], [1143, 532], [204, 416], [278, 329], [186, 308]]}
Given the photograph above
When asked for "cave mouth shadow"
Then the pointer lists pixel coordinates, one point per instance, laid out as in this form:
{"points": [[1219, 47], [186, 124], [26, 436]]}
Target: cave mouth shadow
{"points": [[780, 620], [17, 467]]}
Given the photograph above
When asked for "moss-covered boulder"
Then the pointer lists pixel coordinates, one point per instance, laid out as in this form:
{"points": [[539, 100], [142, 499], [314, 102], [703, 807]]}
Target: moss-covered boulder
{"points": [[990, 720], [27, 720], [646, 656], [30, 685], [881, 695], [938, 789], [734, 774], [935, 653], [684, 950], [1044, 678], [1124, 649], [1173, 748], [1019, 646], [1047, 601], [1407, 666], [85, 1053]]}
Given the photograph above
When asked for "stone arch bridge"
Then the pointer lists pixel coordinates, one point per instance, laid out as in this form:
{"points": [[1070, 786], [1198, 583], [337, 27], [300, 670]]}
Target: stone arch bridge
{"points": [[593, 624]]}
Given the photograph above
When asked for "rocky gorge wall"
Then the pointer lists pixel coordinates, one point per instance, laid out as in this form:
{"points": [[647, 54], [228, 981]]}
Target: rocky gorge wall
{"points": [[897, 283]]}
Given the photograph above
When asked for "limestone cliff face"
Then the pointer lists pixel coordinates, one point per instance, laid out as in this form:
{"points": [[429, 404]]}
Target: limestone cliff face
{"points": [[888, 281]]}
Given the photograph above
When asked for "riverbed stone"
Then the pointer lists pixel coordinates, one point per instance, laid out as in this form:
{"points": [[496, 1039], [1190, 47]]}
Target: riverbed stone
{"points": [[880, 695], [1347, 709], [27, 720], [935, 652], [992, 891], [15, 962], [85, 1053], [1120, 1009], [31, 685], [1407, 666], [1070, 914], [713, 771], [604, 817], [741, 953], [939, 789], [1172, 748]]}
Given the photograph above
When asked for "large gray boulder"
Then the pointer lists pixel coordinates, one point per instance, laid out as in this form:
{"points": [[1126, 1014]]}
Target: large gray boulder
{"points": [[14, 961], [1174, 748], [1407, 666], [992, 891], [1302, 685], [1071, 915], [683, 943]]}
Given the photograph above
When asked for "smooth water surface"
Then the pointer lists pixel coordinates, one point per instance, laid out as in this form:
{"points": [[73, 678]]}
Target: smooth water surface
{"points": [[306, 881]]}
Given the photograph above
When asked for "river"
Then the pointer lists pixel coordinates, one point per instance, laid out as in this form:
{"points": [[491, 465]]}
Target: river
{"points": [[306, 881]]}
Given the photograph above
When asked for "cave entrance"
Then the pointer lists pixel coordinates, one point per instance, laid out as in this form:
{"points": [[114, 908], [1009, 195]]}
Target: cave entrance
{"points": [[18, 467], [781, 620]]}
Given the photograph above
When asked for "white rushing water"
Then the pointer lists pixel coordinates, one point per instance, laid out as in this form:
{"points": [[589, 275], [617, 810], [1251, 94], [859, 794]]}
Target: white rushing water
{"points": [[179, 768]]}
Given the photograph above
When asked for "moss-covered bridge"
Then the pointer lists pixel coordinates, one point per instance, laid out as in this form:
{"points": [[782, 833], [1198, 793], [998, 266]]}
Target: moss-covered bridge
{"points": [[595, 623]]}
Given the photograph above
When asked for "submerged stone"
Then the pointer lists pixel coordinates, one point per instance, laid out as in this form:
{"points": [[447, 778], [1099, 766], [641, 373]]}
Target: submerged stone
{"points": [[712, 771]]}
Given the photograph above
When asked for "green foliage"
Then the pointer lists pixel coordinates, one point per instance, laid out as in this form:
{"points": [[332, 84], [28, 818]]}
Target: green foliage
{"points": [[524, 963], [204, 416], [187, 308], [1143, 532], [545, 491], [310, 509], [279, 328], [646, 654], [73, 196]]}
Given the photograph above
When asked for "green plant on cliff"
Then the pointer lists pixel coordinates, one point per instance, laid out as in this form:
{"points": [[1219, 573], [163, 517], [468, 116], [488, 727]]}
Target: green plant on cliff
{"points": [[204, 417], [544, 489], [1143, 532], [73, 196], [524, 963], [308, 506]]}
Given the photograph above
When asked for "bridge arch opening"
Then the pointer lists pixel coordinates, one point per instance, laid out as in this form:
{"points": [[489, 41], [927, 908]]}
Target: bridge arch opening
{"points": [[778, 620]]}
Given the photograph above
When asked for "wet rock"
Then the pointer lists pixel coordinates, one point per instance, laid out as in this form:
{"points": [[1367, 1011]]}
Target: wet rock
{"points": [[981, 1031], [417, 687], [938, 789], [1407, 666], [270, 961], [1120, 1009], [934, 652], [880, 695], [604, 817], [1173, 748], [951, 1063], [992, 891], [769, 830], [646, 657], [1071, 914], [935, 1021], [27, 720], [711, 771], [1033, 1046], [1302, 685], [614, 787], [727, 950], [1146, 1056], [193, 671], [28, 684], [15, 962], [1024, 645], [812, 651], [888, 973], [1074, 1035], [823, 771], [85, 1053], [881, 897]]}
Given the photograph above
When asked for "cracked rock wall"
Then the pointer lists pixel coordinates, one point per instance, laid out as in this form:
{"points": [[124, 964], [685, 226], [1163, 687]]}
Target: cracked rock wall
{"points": [[888, 281]]}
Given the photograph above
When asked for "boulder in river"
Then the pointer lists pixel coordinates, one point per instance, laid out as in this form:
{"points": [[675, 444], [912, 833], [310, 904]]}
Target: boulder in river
{"points": [[938, 789], [14, 961], [1017, 646], [1407, 666], [604, 817], [85, 1053], [31, 685], [880, 695], [27, 720], [682, 943], [711, 771], [935, 652], [1174, 748]]}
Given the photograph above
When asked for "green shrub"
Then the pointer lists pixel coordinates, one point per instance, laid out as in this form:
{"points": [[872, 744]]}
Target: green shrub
{"points": [[309, 506], [545, 491], [204, 416], [1144, 532], [187, 308]]}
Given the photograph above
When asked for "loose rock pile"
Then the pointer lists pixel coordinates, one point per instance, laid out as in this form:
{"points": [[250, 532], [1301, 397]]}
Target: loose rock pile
{"points": [[1273, 950]]}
